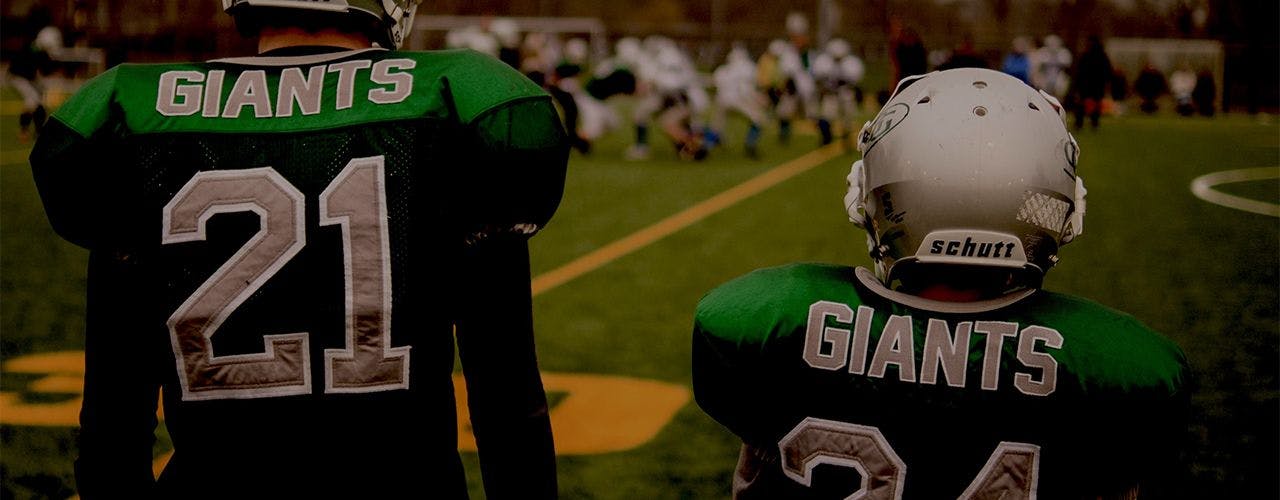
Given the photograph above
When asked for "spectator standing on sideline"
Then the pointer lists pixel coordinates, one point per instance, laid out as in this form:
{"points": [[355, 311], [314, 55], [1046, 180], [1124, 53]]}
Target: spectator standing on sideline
{"points": [[1149, 85], [1093, 76], [909, 55], [1018, 62], [964, 55], [1205, 94]]}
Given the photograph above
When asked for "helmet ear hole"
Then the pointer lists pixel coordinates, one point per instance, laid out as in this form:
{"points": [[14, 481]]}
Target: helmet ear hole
{"points": [[1032, 105], [924, 100]]}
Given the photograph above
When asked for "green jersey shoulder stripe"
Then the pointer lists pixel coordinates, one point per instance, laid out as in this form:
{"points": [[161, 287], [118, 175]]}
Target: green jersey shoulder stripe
{"points": [[269, 94]]}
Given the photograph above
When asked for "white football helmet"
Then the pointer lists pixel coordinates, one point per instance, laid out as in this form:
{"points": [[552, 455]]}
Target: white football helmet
{"points": [[837, 48], [392, 18], [506, 31], [967, 167], [797, 23]]}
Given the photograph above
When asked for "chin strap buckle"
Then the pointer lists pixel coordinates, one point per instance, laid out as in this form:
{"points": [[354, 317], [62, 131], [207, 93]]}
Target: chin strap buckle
{"points": [[853, 203], [1075, 221]]}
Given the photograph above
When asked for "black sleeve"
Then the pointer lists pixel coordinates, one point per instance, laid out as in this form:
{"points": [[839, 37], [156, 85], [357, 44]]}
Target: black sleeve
{"points": [[73, 175], [509, 413], [118, 416]]}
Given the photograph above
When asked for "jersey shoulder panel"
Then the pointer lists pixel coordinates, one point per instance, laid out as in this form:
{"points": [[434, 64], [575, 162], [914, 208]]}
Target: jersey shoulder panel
{"points": [[769, 303], [90, 107], [1106, 348], [477, 82]]}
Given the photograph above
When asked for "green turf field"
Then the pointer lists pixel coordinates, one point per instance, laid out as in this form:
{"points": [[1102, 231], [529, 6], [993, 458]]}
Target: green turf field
{"points": [[1203, 274]]}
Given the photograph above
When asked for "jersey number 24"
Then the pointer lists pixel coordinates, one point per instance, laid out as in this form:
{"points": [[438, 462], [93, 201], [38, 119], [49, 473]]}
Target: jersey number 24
{"points": [[1010, 473]]}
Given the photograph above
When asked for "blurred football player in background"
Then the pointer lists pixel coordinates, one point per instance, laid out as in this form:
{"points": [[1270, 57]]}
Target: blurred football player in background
{"points": [[507, 32], [1050, 67], [43, 41], [674, 98], [947, 372], [736, 91], [837, 73], [286, 246]]}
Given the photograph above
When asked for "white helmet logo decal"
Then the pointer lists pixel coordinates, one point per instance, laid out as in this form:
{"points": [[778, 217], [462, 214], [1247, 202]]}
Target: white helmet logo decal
{"points": [[888, 118]]}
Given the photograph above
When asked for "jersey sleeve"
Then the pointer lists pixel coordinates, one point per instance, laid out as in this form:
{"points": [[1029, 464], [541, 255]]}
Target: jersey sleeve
{"points": [[72, 165], [514, 170], [736, 329]]}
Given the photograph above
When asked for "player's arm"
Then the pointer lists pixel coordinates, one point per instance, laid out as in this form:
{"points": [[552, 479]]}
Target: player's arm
{"points": [[513, 186], [724, 387], [71, 166], [508, 405], [88, 202], [118, 415], [728, 382]]}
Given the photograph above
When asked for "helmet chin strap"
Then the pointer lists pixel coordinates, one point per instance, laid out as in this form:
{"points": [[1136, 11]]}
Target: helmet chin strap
{"points": [[1075, 222], [853, 202]]}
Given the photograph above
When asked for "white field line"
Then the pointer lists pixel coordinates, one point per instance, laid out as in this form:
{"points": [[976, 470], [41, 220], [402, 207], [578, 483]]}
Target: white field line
{"points": [[1203, 186]]}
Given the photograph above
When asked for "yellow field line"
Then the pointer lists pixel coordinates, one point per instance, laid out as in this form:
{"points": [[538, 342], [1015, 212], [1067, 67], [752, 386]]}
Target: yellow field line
{"points": [[10, 107], [14, 156], [682, 219]]}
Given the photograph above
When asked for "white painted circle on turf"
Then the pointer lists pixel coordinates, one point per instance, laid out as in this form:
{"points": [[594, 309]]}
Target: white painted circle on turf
{"points": [[1203, 186]]}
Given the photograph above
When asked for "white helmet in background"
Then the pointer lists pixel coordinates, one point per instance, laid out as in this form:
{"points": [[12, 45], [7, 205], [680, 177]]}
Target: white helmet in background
{"points": [[576, 51], [824, 67], [506, 31], [797, 23], [851, 69], [837, 48], [738, 56], [967, 167], [389, 20], [482, 42], [1053, 41], [628, 50], [673, 70], [777, 47]]}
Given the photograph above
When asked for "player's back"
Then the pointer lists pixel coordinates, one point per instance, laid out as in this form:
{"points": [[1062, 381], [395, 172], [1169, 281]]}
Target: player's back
{"points": [[834, 384], [275, 240]]}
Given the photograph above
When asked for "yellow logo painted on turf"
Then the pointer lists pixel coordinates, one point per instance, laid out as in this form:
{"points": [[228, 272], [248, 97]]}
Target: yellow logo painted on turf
{"points": [[599, 414], [63, 373]]}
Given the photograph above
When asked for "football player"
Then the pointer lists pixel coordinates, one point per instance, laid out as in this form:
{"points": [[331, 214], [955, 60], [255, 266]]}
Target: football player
{"points": [[287, 246], [675, 99], [736, 91], [837, 73], [947, 372], [1049, 66]]}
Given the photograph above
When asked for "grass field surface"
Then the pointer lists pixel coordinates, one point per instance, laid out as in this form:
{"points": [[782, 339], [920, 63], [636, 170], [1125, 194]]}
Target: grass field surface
{"points": [[1203, 274]]}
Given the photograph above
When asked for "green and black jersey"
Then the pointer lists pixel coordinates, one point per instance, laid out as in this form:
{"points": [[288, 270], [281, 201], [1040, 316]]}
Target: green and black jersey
{"points": [[285, 245], [835, 383]]}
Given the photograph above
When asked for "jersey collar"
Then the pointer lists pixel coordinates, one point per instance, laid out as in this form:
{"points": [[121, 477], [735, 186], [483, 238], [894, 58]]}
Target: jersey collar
{"points": [[870, 282], [296, 60]]}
